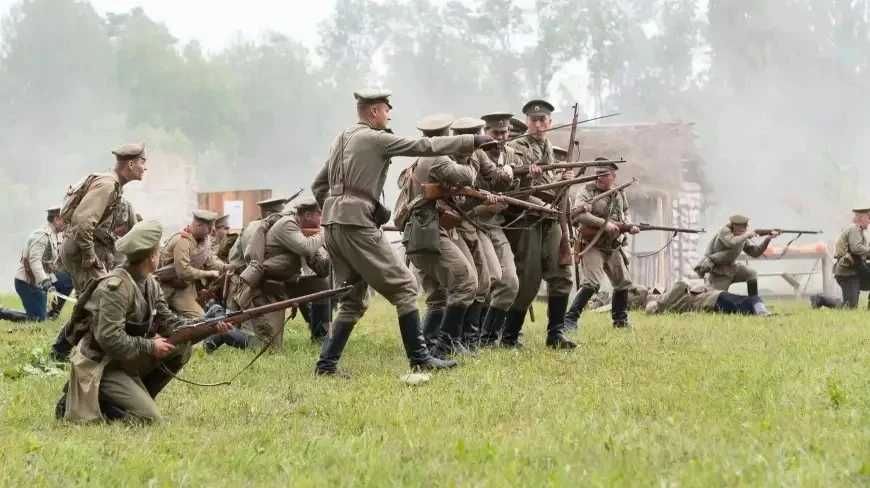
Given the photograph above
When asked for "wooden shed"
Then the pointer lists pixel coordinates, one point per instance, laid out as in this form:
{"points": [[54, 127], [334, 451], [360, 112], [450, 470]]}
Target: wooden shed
{"points": [[240, 205]]}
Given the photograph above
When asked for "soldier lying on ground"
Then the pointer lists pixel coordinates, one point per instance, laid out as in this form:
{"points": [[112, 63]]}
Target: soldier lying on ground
{"points": [[682, 298]]}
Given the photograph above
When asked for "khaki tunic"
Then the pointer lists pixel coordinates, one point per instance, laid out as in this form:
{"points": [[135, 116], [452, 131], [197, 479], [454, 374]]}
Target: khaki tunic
{"points": [[606, 258], [40, 253], [122, 315], [680, 298], [347, 188], [179, 252], [721, 255], [286, 249], [88, 244], [851, 241]]}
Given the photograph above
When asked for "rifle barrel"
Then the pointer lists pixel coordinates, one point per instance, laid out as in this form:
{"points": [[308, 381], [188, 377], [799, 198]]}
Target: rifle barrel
{"points": [[788, 231], [524, 170], [550, 186]]}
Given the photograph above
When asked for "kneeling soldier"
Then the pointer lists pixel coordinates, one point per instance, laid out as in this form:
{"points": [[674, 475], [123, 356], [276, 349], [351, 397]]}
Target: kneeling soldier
{"points": [[722, 253], [123, 317], [850, 251]]}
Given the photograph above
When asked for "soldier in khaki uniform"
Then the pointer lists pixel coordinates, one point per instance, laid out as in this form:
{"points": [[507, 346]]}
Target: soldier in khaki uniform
{"points": [[682, 298], [219, 234], [34, 277], [267, 208], [505, 285], [850, 249], [606, 258], [347, 189], [87, 246], [123, 316], [449, 278], [719, 266], [537, 247], [189, 254], [518, 128]]}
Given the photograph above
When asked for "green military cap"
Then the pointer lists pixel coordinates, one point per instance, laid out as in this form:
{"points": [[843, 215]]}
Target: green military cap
{"points": [[865, 210], [205, 215], [500, 121], [371, 96], [739, 219], [467, 125], [53, 210], [538, 107], [143, 237], [560, 153], [273, 204], [600, 170], [435, 123], [130, 151], [222, 221]]}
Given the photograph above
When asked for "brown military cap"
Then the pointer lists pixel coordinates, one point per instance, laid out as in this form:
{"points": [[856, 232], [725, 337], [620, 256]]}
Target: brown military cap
{"points": [[205, 215], [739, 219], [538, 107], [53, 210], [272, 203], [500, 121], [222, 221], [560, 153], [371, 96], [144, 236], [865, 210], [435, 123], [467, 125], [301, 204], [130, 151]]}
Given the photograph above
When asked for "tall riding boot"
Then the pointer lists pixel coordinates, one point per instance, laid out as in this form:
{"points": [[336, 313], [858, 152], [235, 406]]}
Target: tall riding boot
{"points": [[450, 336], [513, 324], [483, 308], [432, 326], [319, 321], [619, 309], [61, 348], [752, 288], [333, 346], [492, 325], [572, 317], [556, 339], [471, 329], [156, 380], [12, 315], [56, 309], [415, 347]]}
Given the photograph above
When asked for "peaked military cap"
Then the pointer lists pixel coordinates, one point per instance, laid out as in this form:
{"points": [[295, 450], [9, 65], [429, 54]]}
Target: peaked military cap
{"points": [[560, 153], [435, 123], [302, 204], [371, 95], [498, 121], [538, 107], [53, 210], [272, 202], [222, 221], [739, 219], [606, 168], [861, 210], [130, 151], [205, 215], [467, 125], [144, 236]]}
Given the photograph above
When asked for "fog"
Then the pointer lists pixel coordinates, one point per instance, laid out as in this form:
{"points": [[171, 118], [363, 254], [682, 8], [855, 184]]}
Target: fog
{"points": [[777, 91]]}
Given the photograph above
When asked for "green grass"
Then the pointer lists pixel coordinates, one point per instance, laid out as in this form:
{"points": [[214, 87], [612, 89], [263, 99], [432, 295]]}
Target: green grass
{"points": [[678, 401]]}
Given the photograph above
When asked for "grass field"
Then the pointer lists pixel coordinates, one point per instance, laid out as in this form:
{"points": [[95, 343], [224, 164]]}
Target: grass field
{"points": [[689, 401]]}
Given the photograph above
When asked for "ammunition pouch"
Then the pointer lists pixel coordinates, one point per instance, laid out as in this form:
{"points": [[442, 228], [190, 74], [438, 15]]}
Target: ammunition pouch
{"points": [[422, 233], [253, 274], [381, 215]]}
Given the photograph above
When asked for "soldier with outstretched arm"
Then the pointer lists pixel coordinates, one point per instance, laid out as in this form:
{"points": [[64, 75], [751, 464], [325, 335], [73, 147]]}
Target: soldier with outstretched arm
{"points": [[719, 265], [347, 189]]}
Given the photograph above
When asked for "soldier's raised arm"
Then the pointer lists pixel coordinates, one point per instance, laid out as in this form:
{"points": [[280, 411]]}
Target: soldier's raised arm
{"points": [[291, 238], [392, 145], [586, 218]]}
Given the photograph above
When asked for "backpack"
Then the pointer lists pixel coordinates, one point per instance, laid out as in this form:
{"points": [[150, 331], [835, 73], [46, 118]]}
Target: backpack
{"points": [[256, 250], [402, 209], [75, 194]]}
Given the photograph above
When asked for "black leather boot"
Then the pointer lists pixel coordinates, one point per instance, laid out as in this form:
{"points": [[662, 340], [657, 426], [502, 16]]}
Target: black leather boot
{"points": [[450, 337], [333, 346], [319, 321], [619, 309], [157, 380], [12, 315], [471, 329], [513, 324], [61, 348], [483, 308], [415, 347], [556, 323], [752, 288], [493, 321], [572, 317], [432, 326]]}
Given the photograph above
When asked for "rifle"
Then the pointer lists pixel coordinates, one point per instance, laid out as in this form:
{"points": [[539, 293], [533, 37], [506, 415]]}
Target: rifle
{"points": [[211, 291], [205, 328], [522, 192], [590, 232], [565, 258], [434, 191], [294, 196], [524, 170], [766, 232], [575, 212], [489, 145]]}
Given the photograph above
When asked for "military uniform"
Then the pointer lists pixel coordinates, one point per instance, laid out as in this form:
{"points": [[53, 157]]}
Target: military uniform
{"points": [[217, 243], [120, 315], [849, 250], [269, 207], [638, 296], [681, 298], [285, 249], [347, 188], [190, 260], [450, 278], [34, 276], [719, 264], [606, 258], [536, 251]]}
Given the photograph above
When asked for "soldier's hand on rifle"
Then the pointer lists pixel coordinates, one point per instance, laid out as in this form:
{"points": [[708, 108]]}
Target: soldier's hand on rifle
{"points": [[568, 175], [212, 273], [491, 199], [583, 208], [162, 348], [535, 171], [773, 233], [222, 328], [506, 172], [634, 229], [45, 285], [611, 227], [750, 234]]}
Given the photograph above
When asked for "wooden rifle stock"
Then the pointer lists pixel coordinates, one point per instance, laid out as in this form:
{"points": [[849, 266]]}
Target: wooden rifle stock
{"points": [[434, 191], [524, 170], [575, 212], [589, 232], [766, 232], [565, 258]]}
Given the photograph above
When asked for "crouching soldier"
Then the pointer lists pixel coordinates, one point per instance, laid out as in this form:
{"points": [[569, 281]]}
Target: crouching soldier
{"points": [[119, 318], [681, 298]]}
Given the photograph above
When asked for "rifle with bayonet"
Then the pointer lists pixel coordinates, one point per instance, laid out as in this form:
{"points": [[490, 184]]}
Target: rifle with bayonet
{"points": [[524, 170], [434, 191], [578, 209], [767, 232], [489, 145], [536, 190], [565, 258], [590, 232]]}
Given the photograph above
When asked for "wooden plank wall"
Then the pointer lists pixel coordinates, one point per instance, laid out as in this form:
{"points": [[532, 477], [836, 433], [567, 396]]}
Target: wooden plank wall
{"points": [[214, 201]]}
